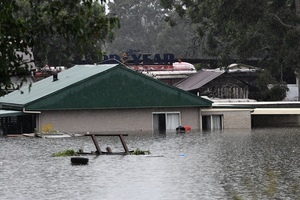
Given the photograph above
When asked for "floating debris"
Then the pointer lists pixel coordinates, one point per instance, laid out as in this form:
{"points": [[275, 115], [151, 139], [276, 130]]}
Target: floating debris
{"points": [[79, 160], [69, 152], [140, 152]]}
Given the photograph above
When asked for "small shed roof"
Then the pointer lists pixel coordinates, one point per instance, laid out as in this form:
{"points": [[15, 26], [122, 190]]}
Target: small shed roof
{"points": [[199, 79], [99, 87]]}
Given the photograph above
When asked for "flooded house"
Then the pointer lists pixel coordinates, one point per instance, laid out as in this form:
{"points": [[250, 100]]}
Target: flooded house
{"points": [[100, 98], [231, 83], [235, 84], [234, 95]]}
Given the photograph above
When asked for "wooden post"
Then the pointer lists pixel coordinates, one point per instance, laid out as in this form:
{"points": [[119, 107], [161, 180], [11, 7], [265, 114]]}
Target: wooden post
{"points": [[108, 149], [96, 144], [124, 144], [98, 150]]}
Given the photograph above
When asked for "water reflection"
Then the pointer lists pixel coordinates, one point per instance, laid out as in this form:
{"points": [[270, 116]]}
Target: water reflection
{"points": [[242, 164]]}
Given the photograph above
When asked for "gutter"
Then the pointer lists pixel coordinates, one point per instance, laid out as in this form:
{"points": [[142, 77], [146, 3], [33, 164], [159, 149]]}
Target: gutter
{"points": [[10, 106], [31, 112], [227, 109]]}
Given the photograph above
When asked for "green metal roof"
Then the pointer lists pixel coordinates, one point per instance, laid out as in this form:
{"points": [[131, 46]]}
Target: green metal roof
{"points": [[100, 87]]}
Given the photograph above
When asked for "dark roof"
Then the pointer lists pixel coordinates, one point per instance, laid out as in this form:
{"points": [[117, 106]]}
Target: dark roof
{"points": [[198, 80], [10, 113], [100, 87]]}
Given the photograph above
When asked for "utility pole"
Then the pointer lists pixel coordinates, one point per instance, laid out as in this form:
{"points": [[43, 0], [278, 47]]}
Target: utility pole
{"points": [[297, 6]]}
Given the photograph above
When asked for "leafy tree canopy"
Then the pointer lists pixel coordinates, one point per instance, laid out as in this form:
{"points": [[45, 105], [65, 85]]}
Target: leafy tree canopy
{"points": [[56, 30], [144, 27], [266, 30]]}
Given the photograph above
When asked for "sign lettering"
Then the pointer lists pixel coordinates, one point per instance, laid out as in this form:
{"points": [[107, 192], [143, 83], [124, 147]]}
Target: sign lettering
{"points": [[146, 58]]}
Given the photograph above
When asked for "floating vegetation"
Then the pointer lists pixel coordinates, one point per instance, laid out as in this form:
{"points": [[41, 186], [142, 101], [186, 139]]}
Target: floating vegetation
{"points": [[268, 190], [47, 128], [140, 152], [272, 186], [69, 152]]}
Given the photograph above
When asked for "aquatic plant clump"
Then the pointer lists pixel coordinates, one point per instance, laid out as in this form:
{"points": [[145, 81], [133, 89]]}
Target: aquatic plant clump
{"points": [[140, 152], [69, 152], [47, 128]]}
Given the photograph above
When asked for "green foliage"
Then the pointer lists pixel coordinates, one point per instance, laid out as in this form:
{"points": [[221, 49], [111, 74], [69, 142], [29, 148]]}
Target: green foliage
{"points": [[13, 39], [69, 152], [140, 152], [78, 42], [58, 32], [264, 30], [278, 92], [270, 89], [264, 79], [145, 27]]}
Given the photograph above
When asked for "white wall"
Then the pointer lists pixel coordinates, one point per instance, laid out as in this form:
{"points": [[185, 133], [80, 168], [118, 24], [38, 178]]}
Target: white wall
{"points": [[112, 120], [292, 94], [232, 118]]}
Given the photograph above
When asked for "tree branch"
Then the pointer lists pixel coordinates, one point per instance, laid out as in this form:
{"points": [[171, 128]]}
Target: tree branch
{"points": [[282, 23]]}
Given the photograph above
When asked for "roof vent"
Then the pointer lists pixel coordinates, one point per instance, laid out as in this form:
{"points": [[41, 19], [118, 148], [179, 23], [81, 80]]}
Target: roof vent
{"points": [[55, 74]]}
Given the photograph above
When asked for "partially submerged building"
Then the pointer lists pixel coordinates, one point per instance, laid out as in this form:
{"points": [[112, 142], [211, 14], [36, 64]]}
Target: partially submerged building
{"points": [[232, 90], [100, 98], [221, 84]]}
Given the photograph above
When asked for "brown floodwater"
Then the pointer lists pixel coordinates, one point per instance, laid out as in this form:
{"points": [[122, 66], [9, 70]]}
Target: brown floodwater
{"points": [[241, 164]]}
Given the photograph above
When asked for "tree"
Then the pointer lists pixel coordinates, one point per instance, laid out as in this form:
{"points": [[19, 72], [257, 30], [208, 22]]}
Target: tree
{"points": [[139, 21], [267, 31], [56, 49], [271, 90], [144, 27], [26, 24]]}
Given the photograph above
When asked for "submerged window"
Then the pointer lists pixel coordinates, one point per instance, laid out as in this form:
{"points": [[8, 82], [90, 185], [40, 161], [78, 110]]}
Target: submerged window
{"points": [[165, 121], [212, 122]]}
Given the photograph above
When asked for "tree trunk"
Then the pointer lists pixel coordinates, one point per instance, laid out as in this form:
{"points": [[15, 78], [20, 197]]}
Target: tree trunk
{"points": [[297, 6]]}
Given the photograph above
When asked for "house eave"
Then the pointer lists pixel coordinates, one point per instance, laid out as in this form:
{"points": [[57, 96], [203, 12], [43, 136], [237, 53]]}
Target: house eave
{"points": [[11, 106]]}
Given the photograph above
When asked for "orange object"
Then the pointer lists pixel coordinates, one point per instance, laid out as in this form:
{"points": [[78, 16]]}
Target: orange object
{"points": [[187, 128]]}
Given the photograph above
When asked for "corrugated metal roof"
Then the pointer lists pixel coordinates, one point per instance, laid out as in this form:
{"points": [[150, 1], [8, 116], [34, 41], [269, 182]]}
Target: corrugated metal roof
{"points": [[199, 79], [101, 87], [46, 86]]}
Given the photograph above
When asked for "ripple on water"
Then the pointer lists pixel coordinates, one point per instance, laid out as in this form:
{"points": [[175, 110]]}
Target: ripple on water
{"points": [[261, 163]]}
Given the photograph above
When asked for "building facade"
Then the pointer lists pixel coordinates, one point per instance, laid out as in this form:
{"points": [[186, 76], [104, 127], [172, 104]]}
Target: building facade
{"points": [[101, 98]]}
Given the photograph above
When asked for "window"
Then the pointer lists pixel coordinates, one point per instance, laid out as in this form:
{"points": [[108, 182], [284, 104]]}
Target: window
{"points": [[166, 121], [212, 122]]}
